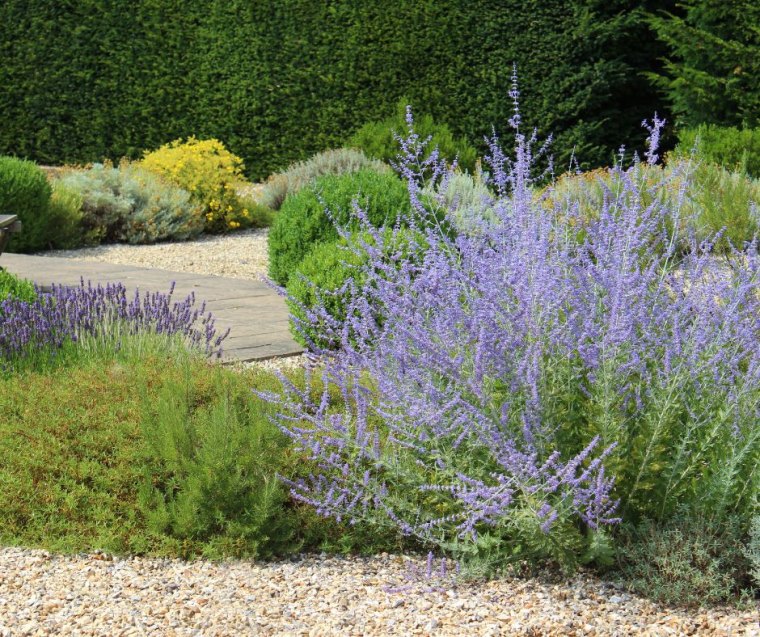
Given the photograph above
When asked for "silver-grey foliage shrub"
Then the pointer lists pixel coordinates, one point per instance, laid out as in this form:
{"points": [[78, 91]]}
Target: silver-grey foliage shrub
{"points": [[329, 162], [131, 204]]}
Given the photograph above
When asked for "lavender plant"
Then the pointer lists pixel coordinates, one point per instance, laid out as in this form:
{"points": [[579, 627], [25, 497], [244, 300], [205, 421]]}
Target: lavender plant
{"points": [[525, 386], [98, 320]]}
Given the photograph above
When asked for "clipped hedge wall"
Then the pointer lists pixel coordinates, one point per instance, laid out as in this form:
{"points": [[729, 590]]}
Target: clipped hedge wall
{"points": [[278, 80]]}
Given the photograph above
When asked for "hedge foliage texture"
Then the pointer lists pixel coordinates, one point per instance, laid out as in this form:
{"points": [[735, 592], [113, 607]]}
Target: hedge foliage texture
{"points": [[277, 80]]}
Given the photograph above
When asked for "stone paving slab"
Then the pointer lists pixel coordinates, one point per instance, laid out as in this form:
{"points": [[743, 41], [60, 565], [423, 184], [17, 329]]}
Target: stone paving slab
{"points": [[256, 315]]}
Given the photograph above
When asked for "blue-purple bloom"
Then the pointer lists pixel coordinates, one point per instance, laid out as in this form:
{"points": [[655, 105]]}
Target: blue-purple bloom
{"points": [[101, 313], [541, 372]]}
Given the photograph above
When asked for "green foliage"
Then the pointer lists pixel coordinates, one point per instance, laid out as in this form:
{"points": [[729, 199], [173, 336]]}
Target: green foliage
{"points": [[324, 275], [302, 221], [210, 476], [712, 74], [720, 201], [131, 204], [65, 210], [691, 560], [98, 458], [24, 191], [465, 198], [13, 287], [280, 80], [301, 174], [752, 551], [732, 148], [212, 176], [379, 139]]}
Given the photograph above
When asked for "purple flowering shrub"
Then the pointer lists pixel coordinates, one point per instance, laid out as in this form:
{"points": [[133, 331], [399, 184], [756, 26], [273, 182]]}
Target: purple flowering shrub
{"points": [[525, 386], [98, 319]]}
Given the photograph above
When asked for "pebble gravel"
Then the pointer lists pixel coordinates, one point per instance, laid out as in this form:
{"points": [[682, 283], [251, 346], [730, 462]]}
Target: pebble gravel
{"points": [[239, 255], [98, 594], [44, 594]]}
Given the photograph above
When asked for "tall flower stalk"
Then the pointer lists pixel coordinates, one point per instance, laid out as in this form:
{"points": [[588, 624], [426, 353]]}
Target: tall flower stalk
{"points": [[527, 384]]}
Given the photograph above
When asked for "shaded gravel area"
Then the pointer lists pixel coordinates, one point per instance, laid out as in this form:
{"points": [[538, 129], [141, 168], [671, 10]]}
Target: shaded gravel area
{"points": [[97, 594]]}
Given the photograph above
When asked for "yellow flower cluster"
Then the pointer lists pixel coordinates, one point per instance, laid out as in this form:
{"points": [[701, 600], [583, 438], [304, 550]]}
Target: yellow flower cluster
{"points": [[211, 174]]}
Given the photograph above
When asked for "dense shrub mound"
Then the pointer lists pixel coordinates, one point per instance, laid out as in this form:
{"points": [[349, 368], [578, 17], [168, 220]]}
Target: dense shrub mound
{"points": [[24, 191], [212, 175], [536, 385], [330, 271], [380, 139], [732, 148], [303, 220], [329, 162], [128, 203], [11, 287]]}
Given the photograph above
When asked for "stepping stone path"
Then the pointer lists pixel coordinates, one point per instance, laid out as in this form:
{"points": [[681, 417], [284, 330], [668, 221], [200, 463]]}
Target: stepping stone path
{"points": [[256, 315]]}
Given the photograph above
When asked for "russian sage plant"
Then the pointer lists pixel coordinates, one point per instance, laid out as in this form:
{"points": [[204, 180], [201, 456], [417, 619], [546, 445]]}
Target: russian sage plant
{"points": [[523, 387]]}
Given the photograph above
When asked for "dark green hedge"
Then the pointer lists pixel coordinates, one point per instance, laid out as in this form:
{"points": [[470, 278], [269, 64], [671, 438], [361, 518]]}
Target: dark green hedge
{"points": [[277, 80]]}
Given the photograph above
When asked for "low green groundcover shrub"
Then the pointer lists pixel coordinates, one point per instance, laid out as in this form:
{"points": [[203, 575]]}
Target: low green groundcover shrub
{"points": [[380, 139], [157, 455], [329, 162], [689, 560], [302, 221], [13, 287], [733, 148], [25, 191]]}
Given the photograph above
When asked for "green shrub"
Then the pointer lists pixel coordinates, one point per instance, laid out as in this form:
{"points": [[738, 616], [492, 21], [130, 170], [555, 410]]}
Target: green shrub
{"points": [[210, 173], [302, 221], [733, 148], [717, 200], [66, 213], [13, 287], [211, 470], [690, 560], [301, 174], [324, 273], [752, 551], [378, 139], [25, 191], [131, 204]]}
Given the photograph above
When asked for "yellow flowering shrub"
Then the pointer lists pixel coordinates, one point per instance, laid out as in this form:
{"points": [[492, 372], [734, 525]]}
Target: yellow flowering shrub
{"points": [[211, 174]]}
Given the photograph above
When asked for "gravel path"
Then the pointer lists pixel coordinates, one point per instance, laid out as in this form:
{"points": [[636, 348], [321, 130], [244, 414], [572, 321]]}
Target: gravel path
{"points": [[240, 255], [42, 594]]}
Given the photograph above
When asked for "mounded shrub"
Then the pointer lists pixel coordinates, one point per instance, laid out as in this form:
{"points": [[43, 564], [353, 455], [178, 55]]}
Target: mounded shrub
{"points": [[465, 200], [323, 280], [716, 202], [303, 222], [380, 139], [211, 174], [131, 204], [536, 388], [733, 148], [301, 174], [689, 560], [66, 213], [25, 191]]}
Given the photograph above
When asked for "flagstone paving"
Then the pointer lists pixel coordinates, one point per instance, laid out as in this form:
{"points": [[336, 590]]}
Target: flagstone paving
{"points": [[256, 315]]}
